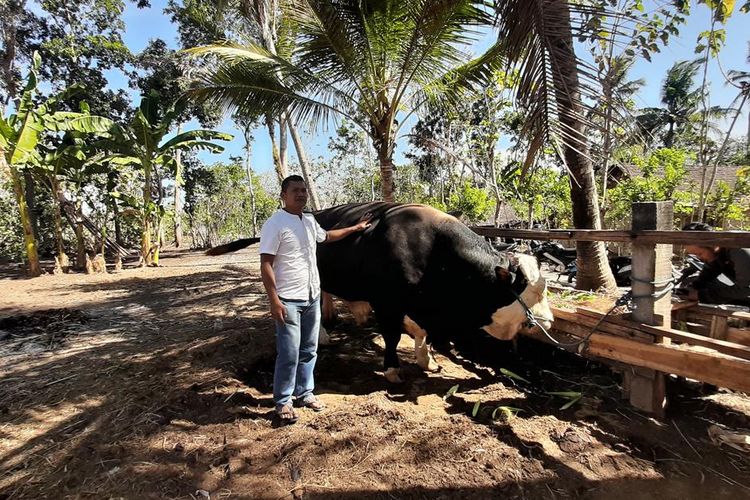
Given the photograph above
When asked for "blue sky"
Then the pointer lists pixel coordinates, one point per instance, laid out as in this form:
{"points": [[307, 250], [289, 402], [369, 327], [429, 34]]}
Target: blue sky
{"points": [[145, 24]]}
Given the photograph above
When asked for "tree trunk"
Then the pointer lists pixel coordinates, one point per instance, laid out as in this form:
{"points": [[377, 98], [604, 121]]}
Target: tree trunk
{"points": [[283, 142], [250, 180], [178, 200], [281, 171], [61, 255], [495, 192], [747, 144], [112, 178], [720, 153], [146, 258], [305, 166], [669, 138], [80, 243], [158, 220], [702, 146], [593, 266], [32, 255], [385, 158], [28, 183]]}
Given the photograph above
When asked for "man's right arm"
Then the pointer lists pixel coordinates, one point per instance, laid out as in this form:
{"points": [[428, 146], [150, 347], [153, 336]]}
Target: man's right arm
{"points": [[278, 311]]}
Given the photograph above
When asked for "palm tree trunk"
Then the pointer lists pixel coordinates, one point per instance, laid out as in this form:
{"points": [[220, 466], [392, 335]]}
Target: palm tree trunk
{"points": [[387, 189], [283, 141], [281, 172], [305, 166], [669, 138], [178, 200], [593, 266], [32, 255], [250, 177]]}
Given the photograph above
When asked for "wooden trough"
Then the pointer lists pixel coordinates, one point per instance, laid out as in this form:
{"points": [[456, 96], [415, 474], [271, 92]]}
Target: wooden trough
{"points": [[704, 343]]}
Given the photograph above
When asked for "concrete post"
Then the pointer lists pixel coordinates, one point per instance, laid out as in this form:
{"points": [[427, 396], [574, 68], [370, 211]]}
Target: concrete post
{"points": [[651, 275]]}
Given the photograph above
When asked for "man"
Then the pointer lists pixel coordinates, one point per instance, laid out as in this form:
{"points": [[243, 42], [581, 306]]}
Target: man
{"points": [[726, 277], [290, 276]]}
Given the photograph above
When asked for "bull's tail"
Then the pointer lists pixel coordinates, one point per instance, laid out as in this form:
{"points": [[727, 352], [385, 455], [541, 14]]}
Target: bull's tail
{"points": [[232, 246]]}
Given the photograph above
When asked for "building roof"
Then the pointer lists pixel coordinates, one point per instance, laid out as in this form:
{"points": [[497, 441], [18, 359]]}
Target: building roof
{"points": [[725, 173]]}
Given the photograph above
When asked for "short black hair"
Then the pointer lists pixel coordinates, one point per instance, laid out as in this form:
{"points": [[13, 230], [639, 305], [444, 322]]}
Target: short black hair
{"points": [[292, 178], [697, 226]]}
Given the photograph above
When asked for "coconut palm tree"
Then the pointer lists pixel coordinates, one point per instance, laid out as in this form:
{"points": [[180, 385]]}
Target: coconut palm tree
{"points": [[372, 62], [377, 62], [681, 103], [537, 37]]}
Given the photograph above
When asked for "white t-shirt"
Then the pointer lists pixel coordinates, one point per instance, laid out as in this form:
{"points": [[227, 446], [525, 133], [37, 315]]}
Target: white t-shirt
{"points": [[292, 240]]}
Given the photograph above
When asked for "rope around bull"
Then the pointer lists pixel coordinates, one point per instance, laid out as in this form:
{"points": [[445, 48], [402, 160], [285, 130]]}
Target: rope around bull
{"points": [[625, 299]]}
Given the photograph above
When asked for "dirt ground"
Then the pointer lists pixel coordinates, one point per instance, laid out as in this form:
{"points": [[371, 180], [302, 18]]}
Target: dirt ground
{"points": [[155, 383]]}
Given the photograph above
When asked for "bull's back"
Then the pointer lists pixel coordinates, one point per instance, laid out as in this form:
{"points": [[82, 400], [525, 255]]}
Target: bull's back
{"points": [[388, 260]]}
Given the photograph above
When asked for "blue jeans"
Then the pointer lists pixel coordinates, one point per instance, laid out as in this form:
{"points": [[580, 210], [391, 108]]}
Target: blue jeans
{"points": [[296, 351]]}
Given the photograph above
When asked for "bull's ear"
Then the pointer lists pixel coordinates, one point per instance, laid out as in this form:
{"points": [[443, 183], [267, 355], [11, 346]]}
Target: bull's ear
{"points": [[503, 274]]}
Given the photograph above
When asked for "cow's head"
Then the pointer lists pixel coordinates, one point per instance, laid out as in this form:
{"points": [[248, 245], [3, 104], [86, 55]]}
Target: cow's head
{"points": [[527, 281]]}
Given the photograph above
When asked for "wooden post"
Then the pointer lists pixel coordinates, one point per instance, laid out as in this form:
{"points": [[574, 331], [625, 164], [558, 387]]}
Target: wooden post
{"points": [[651, 275]]}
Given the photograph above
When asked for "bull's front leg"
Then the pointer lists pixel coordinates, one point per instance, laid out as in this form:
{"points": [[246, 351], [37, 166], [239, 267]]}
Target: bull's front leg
{"points": [[421, 349], [390, 326]]}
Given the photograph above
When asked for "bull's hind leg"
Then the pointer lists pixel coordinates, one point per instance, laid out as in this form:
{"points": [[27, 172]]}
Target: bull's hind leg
{"points": [[390, 328]]}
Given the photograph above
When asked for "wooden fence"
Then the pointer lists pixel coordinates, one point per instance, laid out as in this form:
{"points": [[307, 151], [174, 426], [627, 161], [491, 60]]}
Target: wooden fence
{"points": [[704, 343]]}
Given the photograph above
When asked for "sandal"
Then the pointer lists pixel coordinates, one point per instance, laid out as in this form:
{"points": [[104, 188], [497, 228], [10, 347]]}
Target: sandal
{"points": [[286, 414], [313, 403]]}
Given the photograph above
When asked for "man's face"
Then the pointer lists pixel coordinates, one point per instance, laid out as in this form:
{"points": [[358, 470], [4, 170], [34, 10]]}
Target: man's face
{"points": [[295, 196], [706, 254]]}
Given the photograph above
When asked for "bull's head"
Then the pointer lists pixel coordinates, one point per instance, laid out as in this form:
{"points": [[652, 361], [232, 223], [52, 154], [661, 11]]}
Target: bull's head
{"points": [[509, 320]]}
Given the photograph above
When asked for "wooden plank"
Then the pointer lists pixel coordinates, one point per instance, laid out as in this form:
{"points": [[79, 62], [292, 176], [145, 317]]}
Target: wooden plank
{"points": [[729, 372], [711, 367], [721, 346], [591, 318], [727, 239], [711, 311], [718, 327], [738, 336]]}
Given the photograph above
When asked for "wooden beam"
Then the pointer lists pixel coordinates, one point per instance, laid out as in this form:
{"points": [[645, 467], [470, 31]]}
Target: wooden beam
{"points": [[729, 372], [711, 367], [727, 239], [719, 345]]}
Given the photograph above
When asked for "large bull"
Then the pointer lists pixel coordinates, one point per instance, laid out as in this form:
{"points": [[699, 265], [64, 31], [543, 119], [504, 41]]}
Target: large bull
{"points": [[425, 272]]}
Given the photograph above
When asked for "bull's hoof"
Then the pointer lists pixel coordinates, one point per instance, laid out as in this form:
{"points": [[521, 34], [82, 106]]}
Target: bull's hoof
{"points": [[323, 338], [432, 366], [428, 365], [392, 376]]}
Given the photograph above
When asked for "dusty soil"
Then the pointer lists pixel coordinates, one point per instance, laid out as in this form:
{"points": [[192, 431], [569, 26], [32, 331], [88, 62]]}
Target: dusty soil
{"points": [[155, 383]]}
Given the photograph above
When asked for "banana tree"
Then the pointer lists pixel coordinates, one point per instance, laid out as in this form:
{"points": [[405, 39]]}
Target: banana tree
{"points": [[144, 144], [20, 136]]}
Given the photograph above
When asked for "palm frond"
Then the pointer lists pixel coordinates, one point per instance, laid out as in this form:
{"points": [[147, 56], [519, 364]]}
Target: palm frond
{"points": [[249, 80], [193, 135]]}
